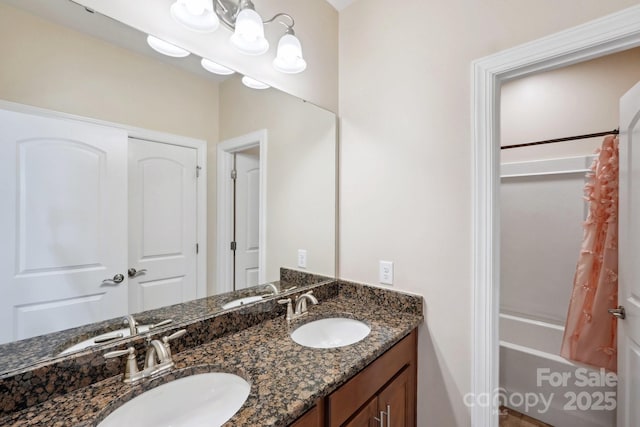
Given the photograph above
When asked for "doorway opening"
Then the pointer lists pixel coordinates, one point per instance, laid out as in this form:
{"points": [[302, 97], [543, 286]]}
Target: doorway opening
{"points": [[542, 215], [614, 33], [241, 211]]}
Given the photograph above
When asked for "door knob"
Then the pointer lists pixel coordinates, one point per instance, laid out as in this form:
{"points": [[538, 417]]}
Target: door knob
{"points": [[118, 278], [617, 312], [135, 273]]}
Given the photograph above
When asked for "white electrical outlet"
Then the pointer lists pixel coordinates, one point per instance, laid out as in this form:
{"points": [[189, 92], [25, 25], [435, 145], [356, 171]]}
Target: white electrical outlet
{"points": [[386, 272], [302, 258]]}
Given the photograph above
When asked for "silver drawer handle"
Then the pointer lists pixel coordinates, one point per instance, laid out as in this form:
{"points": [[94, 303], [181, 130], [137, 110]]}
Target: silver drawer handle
{"points": [[135, 273], [384, 415], [118, 278]]}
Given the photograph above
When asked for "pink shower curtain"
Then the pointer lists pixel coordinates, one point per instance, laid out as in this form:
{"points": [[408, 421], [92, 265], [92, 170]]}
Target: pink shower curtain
{"points": [[590, 331]]}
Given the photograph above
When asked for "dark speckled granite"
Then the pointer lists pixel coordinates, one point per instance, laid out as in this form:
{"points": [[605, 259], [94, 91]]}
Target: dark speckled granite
{"points": [[286, 378], [20, 355], [63, 375]]}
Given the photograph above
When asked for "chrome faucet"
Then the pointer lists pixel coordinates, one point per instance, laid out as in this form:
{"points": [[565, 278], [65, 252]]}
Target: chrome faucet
{"points": [[273, 288], [157, 355], [133, 325], [158, 358], [301, 305]]}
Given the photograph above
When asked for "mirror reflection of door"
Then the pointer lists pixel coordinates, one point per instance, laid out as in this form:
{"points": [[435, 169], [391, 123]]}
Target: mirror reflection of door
{"points": [[162, 224], [63, 223], [67, 217], [246, 217]]}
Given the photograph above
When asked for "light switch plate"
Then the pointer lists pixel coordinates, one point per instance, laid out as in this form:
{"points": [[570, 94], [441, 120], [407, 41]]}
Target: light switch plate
{"points": [[386, 272], [302, 258]]}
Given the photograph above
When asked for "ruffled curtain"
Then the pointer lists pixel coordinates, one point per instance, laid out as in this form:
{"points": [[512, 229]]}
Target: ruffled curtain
{"points": [[590, 331]]}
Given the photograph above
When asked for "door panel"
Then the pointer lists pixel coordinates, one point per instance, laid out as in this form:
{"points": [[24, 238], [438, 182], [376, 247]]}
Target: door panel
{"points": [[162, 224], [61, 182], [366, 417], [247, 219], [394, 399], [629, 268]]}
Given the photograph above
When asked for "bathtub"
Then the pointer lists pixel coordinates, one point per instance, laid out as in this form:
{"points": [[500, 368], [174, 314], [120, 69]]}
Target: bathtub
{"points": [[566, 394]]}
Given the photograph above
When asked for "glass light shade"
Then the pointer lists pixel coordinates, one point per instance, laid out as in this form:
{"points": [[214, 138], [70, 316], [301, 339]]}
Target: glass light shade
{"points": [[196, 15], [248, 36], [289, 58], [166, 48], [215, 68], [253, 83]]}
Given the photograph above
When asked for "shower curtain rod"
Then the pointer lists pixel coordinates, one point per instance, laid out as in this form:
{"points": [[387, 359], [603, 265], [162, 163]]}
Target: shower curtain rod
{"points": [[569, 138]]}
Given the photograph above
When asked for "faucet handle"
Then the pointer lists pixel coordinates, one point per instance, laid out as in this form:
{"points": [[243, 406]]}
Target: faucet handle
{"points": [[289, 307], [131, 371], [172, 337], [118, 353], [159, 324]]}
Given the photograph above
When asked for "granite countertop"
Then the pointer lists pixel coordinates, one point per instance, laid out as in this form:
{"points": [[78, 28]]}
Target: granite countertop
{"points": [[286, 379], [17, 355]]}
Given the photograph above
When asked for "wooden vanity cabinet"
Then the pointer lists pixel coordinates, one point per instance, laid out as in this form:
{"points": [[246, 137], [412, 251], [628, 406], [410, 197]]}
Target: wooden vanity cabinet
{"points": [[386, 388], [314, 417]]}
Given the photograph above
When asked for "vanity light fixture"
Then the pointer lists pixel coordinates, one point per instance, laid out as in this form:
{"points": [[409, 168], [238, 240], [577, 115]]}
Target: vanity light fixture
{"points": [[196, 15], [289, 58], [166, 48], [215, 68], [253, 83], [247, 25]]}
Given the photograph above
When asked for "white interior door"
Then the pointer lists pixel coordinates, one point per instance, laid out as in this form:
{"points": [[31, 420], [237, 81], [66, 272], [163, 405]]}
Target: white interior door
{"points": [[629, 256], [247, 219], [62, 223], [162, 224]]}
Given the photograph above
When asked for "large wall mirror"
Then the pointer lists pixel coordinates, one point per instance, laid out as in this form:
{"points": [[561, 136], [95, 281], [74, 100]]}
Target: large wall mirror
{"points": [[106, 148]]}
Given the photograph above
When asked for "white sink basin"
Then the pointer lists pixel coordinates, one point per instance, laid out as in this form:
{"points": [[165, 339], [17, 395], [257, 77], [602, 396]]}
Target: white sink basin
{"points": [[330, 333], [126, 332], [241, 301], [199, 400]]}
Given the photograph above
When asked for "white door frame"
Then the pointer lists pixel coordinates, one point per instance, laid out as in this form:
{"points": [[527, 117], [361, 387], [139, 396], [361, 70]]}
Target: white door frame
{"points": [[153, 136], [224, 273], [613, 33]]}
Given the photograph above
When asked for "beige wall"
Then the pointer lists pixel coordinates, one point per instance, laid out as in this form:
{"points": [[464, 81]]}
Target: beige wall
{"points": [[575, 100], [49, 66], [316, 26], [300, 172], [405, 167]]}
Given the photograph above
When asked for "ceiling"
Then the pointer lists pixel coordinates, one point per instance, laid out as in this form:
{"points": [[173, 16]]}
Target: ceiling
{"points": [[75, 16], [340, 4]]}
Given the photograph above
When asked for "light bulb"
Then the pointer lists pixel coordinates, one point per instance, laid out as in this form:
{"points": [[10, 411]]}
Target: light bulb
{"points": [[166, 48], [214, 67], [289, 58], [253, 83], [248, 36], [196, 15]]}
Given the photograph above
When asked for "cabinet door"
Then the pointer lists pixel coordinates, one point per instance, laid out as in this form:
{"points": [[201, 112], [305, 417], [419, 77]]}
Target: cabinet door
{"points": [[395, 399], [366, 416]]}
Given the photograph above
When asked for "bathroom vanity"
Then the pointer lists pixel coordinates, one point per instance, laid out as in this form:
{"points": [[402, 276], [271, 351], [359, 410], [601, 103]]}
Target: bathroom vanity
{"points": [[374, 378], [384, 393]]}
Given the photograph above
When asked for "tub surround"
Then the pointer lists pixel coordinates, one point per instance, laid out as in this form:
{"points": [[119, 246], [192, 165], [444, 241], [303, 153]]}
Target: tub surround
{"points": [[253, 342]]}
